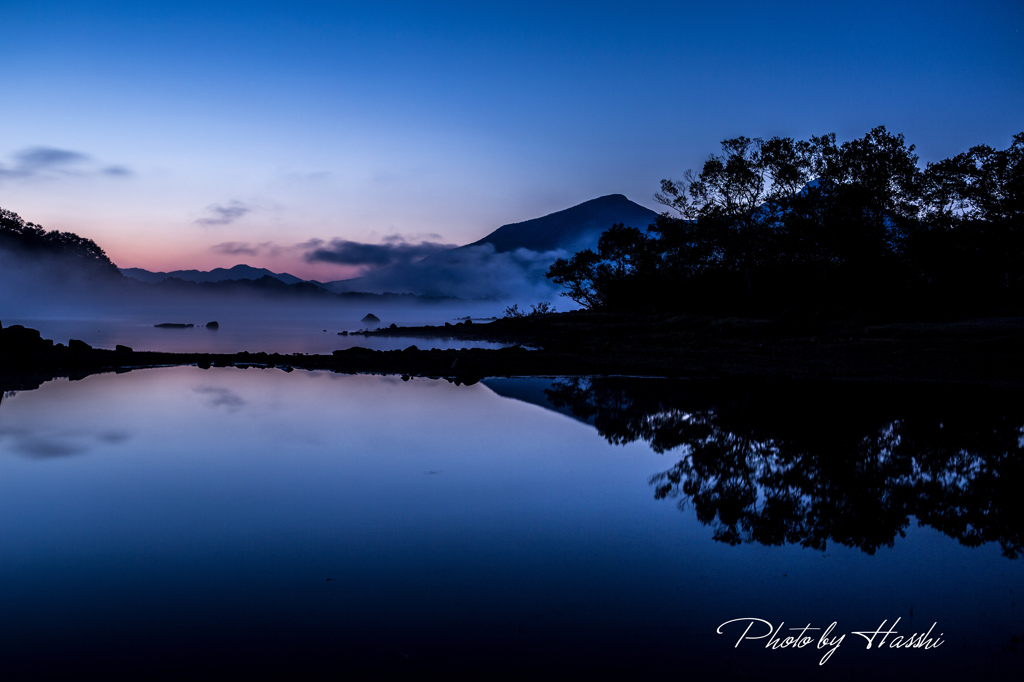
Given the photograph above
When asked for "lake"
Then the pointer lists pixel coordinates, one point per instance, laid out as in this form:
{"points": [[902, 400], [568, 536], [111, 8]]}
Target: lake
{"points": [[299, 334], [226, 521]]}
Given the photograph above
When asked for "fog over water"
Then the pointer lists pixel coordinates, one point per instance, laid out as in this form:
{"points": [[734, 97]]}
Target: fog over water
{"points": [[315, 335], [65, 303]]}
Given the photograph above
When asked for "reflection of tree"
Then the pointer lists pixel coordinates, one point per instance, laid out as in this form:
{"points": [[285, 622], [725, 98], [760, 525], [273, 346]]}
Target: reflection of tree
{"points": [[800, 464]]}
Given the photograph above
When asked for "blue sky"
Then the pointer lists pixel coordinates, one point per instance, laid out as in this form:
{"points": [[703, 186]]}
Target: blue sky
{"points": [[203, 134]]}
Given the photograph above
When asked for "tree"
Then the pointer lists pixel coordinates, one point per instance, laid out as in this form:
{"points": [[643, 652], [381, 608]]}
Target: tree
{"points": [[29, 238], [874, 181], [769, 226], [974, 208], [615, 275], [980, 184], [736, 199], [579, 276]]}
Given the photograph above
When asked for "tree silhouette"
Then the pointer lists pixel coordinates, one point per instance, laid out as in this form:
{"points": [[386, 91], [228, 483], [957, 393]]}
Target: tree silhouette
{"points": [[29, 239], [772, 225]]}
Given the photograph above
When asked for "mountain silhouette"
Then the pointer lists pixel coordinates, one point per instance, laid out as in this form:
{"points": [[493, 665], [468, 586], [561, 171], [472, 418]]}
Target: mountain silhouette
{"points": [[510, 262], [568, 229], [215, 275]]}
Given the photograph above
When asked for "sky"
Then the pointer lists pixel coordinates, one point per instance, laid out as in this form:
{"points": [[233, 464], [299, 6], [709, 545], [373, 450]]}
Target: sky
{"points": [[204, 134]]}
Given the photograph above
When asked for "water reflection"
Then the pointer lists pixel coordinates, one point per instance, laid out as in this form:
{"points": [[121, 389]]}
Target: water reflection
{"points": [[810, 465], [464, 532], [218, 396], [50, 443]]}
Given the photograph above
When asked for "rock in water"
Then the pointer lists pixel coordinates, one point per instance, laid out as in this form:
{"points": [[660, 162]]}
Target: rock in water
{"points": [[212, 325]]}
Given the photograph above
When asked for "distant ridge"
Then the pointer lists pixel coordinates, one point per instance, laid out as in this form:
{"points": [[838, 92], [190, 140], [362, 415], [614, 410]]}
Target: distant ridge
{"points": [[215, 275], [571, 228]]}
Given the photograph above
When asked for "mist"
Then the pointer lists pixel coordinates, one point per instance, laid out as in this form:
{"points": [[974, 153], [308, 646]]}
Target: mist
{"points": [[63, 301], [474, 272]]}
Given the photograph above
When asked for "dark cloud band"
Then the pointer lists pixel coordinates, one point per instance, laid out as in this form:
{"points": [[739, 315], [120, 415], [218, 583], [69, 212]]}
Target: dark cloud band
{"points": [[393, 252], [40, 161]]}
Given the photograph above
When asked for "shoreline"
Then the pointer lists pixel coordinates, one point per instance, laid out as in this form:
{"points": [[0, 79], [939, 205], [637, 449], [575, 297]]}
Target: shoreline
{"points": [[979, 352]]}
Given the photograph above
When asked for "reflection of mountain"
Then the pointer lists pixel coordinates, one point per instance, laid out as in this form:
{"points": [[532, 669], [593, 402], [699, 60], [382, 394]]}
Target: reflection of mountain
{"points": [[809, 464], [532, 390]]}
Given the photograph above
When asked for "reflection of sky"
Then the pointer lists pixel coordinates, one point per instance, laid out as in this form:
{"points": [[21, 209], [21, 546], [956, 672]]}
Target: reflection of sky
{"points": [[210, 507], [351, 120]]}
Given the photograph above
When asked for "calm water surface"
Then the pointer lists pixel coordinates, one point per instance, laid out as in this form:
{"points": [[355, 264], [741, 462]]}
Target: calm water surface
{"points": [[200, 522], [297, 335]]}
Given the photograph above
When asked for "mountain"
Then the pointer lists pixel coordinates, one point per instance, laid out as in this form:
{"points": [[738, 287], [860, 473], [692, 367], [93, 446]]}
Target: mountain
{"points": [[510, 263], [215, 275], [572, 229]]}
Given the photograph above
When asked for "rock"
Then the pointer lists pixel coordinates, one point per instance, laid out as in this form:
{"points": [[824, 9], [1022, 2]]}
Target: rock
{"points": [[122, 349], [78, 345], [355, 351], [213, 325], [18, 335], [370, 318]]}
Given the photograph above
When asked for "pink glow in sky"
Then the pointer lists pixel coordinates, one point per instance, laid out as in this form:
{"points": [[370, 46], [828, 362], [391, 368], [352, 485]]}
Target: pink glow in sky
{"points": [[164, 131]]}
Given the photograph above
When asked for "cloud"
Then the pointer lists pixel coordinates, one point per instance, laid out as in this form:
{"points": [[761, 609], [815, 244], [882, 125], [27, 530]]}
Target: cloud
{"points": [[235, 249], [394, 251], [37, 158], [225, 215], [117, 171], [398, 239], [250, 249], [49, 161]]}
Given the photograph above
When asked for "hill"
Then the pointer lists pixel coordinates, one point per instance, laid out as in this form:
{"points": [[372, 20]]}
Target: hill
{"points": [[572, 229], [238, 272], [509, 263], [28, 242]]}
